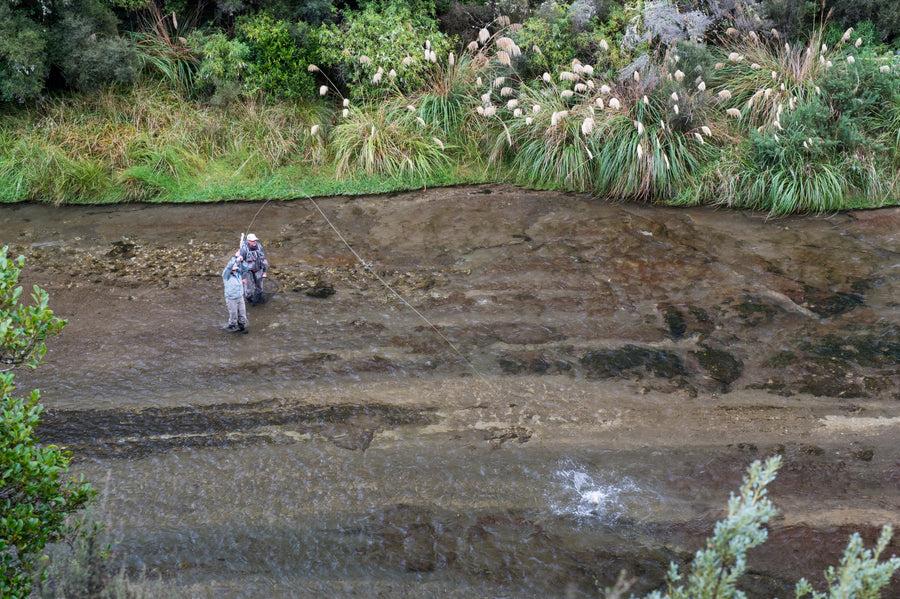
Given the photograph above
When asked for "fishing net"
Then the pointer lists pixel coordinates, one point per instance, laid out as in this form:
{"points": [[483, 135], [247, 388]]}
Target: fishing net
{"points": [[270, 287]]}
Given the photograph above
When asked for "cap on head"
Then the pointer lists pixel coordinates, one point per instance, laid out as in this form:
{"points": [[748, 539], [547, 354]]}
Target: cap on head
{"points": [[251, 237]]}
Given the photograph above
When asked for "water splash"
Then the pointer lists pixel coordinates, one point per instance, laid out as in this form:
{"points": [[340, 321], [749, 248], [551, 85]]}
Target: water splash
{"points": [[603, 495]]}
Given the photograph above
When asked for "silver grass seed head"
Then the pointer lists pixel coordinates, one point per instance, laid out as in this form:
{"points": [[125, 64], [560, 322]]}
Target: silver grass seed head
{"points": [[473, 46], [503, 58], [346, 102], [566, 93], [858, 42], [364, 59], [568, 76], [483, 35], [506, 92], [323, 90], [604, 45], [439, 143], [547, 78], [312, 68], [498, 82]]}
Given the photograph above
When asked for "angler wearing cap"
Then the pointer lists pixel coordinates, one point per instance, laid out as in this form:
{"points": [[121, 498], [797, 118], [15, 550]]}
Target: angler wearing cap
{"points": [[233, 279], [255, 267]]}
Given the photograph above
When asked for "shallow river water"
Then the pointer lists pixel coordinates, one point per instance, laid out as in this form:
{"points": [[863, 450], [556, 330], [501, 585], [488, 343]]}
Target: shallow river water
{"points": [[578, 390]]}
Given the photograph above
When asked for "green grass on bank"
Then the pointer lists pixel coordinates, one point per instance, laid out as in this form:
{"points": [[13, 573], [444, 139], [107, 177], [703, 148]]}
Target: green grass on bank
{"points": [[809, 129]]}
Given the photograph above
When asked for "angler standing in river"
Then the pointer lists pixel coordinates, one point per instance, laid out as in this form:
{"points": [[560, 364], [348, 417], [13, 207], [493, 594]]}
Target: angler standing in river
{"points": [[255, 266], [233, 278]]}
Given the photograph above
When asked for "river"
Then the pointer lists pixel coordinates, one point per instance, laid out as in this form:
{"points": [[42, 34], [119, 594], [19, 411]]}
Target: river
{"points": [[536, 391]]}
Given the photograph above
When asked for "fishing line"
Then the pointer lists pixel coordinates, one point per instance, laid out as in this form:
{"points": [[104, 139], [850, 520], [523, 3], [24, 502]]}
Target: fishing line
{"points": [[252, 220], [400, 297]]}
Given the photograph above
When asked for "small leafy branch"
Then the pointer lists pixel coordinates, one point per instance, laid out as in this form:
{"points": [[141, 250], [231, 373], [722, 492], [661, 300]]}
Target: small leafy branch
{"points": [[35, 496], [23, 329], [716, 570]]}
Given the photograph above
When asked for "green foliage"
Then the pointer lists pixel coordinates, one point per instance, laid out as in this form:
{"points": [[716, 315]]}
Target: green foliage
{"points": [[23, 328], [77, 38], [23, 55], [35, 498], [278, 57], [716, 570], [391, 38]]}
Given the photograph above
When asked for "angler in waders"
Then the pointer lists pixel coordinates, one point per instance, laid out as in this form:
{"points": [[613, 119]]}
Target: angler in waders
{"points": [[255, 267], [233, 278]]}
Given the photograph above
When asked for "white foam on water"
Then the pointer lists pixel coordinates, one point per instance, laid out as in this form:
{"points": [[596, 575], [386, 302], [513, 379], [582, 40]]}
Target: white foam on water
{"points": [[603, 495]]}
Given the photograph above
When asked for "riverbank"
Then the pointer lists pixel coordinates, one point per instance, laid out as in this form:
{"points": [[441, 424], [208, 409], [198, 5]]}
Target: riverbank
{"points": [[659, 350]]}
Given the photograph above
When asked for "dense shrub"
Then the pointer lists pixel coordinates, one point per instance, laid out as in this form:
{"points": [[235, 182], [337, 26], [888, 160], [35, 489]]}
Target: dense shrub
{"points": [[279, 53], [45, 45], [371, 43]]}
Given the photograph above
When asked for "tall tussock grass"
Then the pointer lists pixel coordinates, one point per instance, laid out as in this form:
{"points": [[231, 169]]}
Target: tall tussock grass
{"points": [[752, 121]]}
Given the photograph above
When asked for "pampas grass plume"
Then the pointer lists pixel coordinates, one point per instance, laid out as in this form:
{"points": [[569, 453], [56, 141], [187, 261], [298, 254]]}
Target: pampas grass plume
{"points": [[724, 94], [323, 90], [614, 103], [587, 126], [345, 113], [312, 68], [314, 130], [603, 45], [734, 112], [484, 35], [679, 75], [566, 93], [438, 142]]}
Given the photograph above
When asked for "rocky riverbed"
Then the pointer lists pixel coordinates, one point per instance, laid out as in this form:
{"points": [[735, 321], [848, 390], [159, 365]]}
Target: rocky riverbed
{"points": [[538, 324]]}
